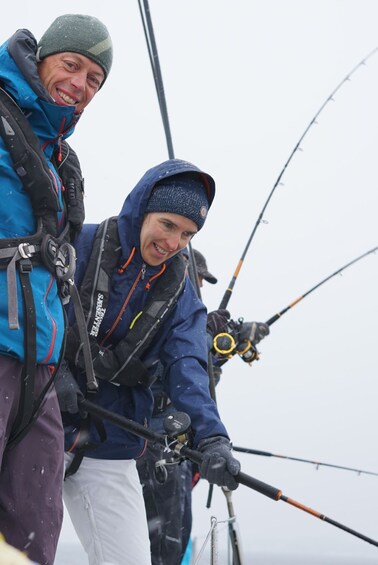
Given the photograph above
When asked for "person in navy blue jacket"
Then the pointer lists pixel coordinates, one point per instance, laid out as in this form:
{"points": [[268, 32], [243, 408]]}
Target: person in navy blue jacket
{"points": [[128, 267], [44, 89]]}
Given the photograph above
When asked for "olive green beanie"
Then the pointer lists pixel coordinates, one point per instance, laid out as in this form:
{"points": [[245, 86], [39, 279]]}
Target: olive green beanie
{"points": [[78, 34]]}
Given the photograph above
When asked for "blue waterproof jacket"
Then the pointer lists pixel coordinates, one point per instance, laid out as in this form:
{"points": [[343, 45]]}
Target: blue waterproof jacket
{"points": [[180, 344], [50, 122]]}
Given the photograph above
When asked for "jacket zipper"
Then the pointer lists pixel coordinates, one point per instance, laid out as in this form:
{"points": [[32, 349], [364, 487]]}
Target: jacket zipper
{"points": [[140, 276]]}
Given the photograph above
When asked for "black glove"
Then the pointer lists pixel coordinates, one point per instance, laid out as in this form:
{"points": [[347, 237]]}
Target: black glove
{"points": [[67, 390], [217, 322], [218, 464], [254, 331]]}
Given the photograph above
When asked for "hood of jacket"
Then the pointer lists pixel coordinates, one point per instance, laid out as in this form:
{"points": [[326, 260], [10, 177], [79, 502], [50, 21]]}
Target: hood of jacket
{"points": [[132, 214], [19, 77]]}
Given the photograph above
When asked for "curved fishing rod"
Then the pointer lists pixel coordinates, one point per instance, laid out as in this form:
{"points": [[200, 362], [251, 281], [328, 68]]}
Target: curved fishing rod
{"points": [[228, 292], [316, 463], [174, 444], [279, 314]]}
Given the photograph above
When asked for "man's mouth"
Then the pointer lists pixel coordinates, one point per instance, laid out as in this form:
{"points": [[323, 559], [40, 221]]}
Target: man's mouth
{"points": [[67, 99]]}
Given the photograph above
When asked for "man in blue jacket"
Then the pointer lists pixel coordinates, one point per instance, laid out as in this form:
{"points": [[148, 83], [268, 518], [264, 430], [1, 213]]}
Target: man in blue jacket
{"points": [[144, 320], [44, 90]]}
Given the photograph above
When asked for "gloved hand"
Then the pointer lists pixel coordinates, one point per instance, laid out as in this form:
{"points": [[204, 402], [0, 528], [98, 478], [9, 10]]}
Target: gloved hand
{"points": [[254, 331], [217, 322], [67, 390], [218, 464]]}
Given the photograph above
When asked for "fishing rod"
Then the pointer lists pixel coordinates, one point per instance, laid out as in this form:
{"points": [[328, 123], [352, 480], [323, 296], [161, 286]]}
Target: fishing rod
{"points": [[158, 79], [228, 292], [147, 23], [178, 425], [297, 300], [159, 85], [316, 463], [156, 71], [238, 339]]}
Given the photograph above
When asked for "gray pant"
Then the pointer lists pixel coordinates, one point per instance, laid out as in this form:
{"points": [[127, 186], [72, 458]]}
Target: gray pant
{"points": [[31, 475]]}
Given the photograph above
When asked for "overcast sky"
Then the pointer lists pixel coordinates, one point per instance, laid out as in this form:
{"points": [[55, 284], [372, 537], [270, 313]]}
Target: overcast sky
{"points": [[243, 79]]}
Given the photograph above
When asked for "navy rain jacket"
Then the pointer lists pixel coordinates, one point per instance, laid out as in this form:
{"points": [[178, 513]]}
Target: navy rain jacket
{"points": [[180, 344]]}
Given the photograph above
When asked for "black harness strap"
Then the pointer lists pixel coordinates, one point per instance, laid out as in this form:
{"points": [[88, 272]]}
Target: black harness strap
{"points": [[92, 385], [86, 445], [26, 406], [31, 166], [29, 163], [18, 436], [20, 254]]}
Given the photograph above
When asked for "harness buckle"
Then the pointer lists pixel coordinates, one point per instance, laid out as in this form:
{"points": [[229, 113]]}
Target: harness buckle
{"points": [[60, 259], [26, 250], [161, 403], [65, 262]]}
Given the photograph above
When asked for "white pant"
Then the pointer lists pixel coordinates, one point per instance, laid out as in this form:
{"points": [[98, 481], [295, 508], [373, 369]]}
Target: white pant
{"points": [[105, 502]]}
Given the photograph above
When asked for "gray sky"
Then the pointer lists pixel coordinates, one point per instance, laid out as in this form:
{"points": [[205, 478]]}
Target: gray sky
{"points": [[243, 79]]}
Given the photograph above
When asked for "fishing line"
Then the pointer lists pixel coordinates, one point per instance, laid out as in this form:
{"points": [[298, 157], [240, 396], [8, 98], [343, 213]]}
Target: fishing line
{"points": [[228, 292], [316, 463]]}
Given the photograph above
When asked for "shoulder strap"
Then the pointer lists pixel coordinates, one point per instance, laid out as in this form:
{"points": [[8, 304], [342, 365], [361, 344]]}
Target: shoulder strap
{"points": [[69, 170], [95, 287], [29, 162]]}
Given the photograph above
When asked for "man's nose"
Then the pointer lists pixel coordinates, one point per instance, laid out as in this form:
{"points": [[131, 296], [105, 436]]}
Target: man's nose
{"points": [[79, 80]]}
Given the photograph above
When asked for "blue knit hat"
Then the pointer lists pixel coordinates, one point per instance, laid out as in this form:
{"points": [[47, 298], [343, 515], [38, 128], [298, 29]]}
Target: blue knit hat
{"points": [[182, 194]]}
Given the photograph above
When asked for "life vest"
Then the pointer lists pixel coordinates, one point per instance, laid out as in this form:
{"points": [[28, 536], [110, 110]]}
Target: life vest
{"points": [[122, 364], [46, 246]]}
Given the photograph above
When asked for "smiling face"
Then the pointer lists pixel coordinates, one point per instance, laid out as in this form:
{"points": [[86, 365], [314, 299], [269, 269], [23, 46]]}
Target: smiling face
{"points": [[163, 235], [71, 79]]}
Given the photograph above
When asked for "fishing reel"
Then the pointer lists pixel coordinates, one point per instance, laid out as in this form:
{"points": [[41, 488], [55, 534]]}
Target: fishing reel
{"points": [[237, 341], [178, 429], [177, 426]]}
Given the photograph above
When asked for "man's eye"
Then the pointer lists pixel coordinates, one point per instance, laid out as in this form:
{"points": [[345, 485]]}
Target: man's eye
{"points": [[94, 82], [69, 64]]}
